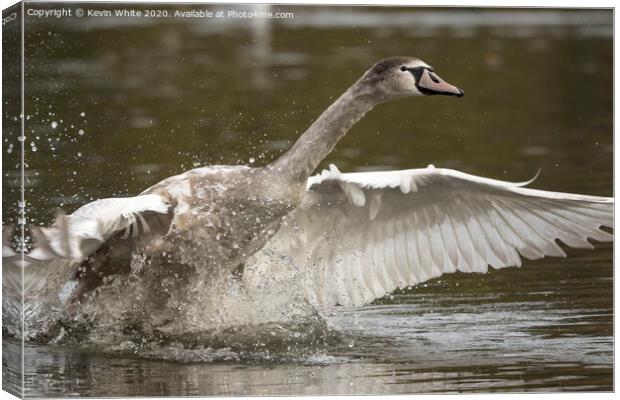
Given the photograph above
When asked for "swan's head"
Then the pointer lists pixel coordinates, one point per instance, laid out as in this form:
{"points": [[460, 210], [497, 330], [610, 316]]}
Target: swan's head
{"points": [[407, 76]]}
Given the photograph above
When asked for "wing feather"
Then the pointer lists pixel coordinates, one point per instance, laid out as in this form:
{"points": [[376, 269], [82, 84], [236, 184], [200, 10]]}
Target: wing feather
{"points": [[73, 238], [414, 258], [78, 235], [389, 230]]}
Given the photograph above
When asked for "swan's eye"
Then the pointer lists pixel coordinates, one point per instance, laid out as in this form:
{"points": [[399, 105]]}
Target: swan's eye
{"points": [[404, 68]]}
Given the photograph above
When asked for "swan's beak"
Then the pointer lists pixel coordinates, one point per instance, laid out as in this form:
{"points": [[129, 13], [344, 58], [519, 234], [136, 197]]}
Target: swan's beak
{"points": [[430, 84]]}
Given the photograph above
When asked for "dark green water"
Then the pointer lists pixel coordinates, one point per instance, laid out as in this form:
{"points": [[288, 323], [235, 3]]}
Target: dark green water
{"points": [[154, 97]]}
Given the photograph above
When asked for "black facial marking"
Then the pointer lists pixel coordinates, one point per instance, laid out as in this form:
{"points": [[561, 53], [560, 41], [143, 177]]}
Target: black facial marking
{"points": [[426, 91], [416, 72]]}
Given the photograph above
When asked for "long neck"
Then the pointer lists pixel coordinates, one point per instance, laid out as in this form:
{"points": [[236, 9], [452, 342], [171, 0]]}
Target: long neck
{"points": [[321, 137]]}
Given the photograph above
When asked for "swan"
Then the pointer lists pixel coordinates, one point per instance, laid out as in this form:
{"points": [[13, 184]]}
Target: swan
{"points": [[354, 237]]}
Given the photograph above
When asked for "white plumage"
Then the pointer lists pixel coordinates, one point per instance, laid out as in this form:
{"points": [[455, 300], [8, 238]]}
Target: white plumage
{"points": [[363, 235], [78, 235], [75, 237]]}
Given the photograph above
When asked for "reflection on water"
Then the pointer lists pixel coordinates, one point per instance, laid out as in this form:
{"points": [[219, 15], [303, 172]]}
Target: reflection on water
{"points": [[116, 104]]}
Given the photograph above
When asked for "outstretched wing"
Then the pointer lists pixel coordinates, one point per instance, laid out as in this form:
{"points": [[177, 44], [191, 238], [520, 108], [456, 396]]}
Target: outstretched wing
{"points": [[75, 237], [78, 235], [362, 235]]}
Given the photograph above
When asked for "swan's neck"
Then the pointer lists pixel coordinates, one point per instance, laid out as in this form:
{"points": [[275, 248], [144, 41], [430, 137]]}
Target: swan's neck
{"points": [[321, 137]]}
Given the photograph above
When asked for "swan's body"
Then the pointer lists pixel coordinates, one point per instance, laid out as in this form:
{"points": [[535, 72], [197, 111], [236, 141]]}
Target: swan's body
{"points": [[347, 238]]}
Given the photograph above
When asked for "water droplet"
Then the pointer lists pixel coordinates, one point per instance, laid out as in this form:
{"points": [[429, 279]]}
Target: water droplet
{"points": [[252, 160], [34, 148], [79, 154], [82, 114], [54, 124], [81, 132]]}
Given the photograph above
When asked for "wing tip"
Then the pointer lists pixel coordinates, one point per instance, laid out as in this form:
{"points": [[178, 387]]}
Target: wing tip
{"points": [[529, 181]]}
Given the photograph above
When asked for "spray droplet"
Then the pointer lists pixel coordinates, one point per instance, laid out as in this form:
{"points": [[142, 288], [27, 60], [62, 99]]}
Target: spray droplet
{"points": [[82, 114], [252, 160], [54, 124], [81, 132]]}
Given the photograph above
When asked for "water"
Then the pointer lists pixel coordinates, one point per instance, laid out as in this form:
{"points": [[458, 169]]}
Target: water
{"points": [[113, 105]]}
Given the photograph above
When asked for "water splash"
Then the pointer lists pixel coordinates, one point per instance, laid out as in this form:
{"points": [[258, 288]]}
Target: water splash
{"points": [[205, 316]]}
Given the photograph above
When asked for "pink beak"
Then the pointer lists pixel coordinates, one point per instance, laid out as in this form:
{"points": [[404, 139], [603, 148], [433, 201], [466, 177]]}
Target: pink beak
{"points": [[431, 84]]}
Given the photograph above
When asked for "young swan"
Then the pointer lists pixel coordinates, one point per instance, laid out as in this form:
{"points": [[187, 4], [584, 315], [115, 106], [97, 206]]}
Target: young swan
{"points": [[212, 218], [191, 231]]}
